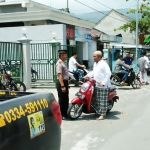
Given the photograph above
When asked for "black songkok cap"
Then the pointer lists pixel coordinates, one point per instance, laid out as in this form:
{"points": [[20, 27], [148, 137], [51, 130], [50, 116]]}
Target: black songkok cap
{"points": [[62, 51]]}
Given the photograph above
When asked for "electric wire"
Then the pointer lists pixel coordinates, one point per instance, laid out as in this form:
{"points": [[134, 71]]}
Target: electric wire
{"points": [[109, 7], [100, 11], [102, 4]]}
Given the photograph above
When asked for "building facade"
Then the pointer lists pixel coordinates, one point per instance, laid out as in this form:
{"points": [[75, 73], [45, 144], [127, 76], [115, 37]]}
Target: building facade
{"points": [[113, 20], [42, 21]]}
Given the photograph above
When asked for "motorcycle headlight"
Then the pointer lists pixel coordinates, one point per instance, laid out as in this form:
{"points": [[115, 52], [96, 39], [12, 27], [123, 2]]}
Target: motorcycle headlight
{"points": [[8, 72], [81, 96], [84, 87]]}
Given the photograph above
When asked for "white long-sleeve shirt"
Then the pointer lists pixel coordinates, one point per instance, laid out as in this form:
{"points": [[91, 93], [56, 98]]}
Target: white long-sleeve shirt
{"points": [[101, 73]]}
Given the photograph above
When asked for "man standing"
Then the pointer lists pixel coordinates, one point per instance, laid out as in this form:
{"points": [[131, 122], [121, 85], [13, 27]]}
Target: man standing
{"points": [[62, 83], [146, 67], [101, 73], [73, 67], [120, 71], [141, 64], [128, 60]]}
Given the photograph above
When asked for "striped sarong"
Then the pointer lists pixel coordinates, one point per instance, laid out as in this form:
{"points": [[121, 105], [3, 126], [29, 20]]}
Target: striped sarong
{"points": [[101, 99]]}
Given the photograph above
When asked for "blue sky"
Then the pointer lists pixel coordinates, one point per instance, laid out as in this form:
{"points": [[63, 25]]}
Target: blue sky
{"points": [[76, 7]]}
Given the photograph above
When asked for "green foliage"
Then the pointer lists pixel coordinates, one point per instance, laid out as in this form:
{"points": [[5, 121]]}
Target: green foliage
{"points": [[144, 21]]}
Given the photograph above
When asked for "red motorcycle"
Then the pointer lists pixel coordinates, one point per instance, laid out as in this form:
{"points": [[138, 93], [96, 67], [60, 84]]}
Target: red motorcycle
{"points": [[85, 100]]}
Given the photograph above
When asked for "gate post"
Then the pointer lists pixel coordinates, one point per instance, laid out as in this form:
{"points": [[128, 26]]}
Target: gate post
{"points": [[26, 61]]}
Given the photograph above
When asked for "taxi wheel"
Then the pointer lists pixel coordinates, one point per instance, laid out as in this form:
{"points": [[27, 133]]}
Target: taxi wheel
{"points": [[74, 112]]}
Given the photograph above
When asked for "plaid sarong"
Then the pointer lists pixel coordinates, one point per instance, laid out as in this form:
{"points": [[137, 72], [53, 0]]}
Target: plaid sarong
{"points": [[101, 98]]}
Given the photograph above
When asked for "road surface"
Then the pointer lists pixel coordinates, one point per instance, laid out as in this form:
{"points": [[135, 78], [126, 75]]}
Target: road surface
{"points": [[127, 126]]}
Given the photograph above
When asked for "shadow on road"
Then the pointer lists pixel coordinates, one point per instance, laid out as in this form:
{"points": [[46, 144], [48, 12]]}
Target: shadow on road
{"points": [[113, 115], [87, 117], [123, 88]]}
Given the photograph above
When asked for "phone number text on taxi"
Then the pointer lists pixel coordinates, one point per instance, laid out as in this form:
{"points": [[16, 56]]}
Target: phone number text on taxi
{"points": [[17, 112]]}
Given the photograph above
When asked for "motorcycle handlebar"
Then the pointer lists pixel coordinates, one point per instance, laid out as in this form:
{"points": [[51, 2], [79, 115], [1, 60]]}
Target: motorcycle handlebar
{"points": [[85, 79], [131, 69]]}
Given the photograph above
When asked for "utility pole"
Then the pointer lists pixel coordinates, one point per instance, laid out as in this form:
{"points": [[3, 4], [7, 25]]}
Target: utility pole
{"points": [[67, 4], [137, 30]]}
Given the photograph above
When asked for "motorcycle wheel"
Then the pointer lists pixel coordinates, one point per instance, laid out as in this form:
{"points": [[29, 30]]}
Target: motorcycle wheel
{"points": [[34, 77], [136, 83], [20, 86], [115, 78], [72, 111], [110, 106]]}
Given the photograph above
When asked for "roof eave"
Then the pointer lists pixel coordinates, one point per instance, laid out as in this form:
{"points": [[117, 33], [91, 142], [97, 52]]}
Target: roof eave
{"points": [[45, 15]]}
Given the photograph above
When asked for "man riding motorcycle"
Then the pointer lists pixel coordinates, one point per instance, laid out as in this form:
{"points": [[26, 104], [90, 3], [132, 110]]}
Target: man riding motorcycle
{"points": [[120, 71], [73, 67]]}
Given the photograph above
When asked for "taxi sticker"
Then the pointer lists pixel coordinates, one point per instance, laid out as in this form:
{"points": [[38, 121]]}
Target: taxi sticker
{"points": [[36, 124], [2, 92], [12, 93]]}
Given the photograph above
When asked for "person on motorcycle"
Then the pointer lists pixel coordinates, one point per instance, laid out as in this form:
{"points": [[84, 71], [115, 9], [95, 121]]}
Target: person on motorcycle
{"points": [[120, 71], [101, 73], [73, 67], [128, 59]]}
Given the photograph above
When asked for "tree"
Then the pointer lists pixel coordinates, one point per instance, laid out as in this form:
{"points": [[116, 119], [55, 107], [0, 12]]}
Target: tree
{"points": [[144, 20]]}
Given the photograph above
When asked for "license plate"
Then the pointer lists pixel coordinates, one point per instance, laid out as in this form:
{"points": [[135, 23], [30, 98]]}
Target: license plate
{"points": [[80, 95]]}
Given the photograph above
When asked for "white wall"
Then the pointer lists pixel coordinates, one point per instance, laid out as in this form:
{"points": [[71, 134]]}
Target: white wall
{"points": [[92, 49], [108, 25], [35, 33], [85, 50]]}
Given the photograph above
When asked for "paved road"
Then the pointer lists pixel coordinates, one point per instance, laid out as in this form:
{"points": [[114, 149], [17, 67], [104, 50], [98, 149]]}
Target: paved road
{"points": [[127, 126]]}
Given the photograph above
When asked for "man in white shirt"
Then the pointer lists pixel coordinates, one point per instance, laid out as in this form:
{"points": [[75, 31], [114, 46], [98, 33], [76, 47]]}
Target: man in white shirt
{"points": [[146, 66], [101, 73], [73, 67]]}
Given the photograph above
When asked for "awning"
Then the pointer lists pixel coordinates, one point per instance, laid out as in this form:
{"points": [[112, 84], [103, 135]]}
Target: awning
{"points": [[120, 45], [147, 39], [110, 38]]}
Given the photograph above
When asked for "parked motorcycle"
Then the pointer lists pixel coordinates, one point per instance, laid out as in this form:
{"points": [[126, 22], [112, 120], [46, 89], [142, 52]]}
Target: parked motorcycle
{"points": [[34, 75], [85, 100], [133, 79], [73, 77], [9, 82]]}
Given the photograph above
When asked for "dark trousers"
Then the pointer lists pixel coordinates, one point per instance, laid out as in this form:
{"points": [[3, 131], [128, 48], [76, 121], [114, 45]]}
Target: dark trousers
{"points": [[80, 74], [63, 97], [124, 74]]}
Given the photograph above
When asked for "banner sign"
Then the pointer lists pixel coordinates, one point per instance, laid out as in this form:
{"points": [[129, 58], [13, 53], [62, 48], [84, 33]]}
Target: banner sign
{"points": [[83, 34]]}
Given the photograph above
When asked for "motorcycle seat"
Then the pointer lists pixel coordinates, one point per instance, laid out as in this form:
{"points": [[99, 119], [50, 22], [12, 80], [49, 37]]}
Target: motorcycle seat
{"points": [[112, 88], [113, 72]]}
